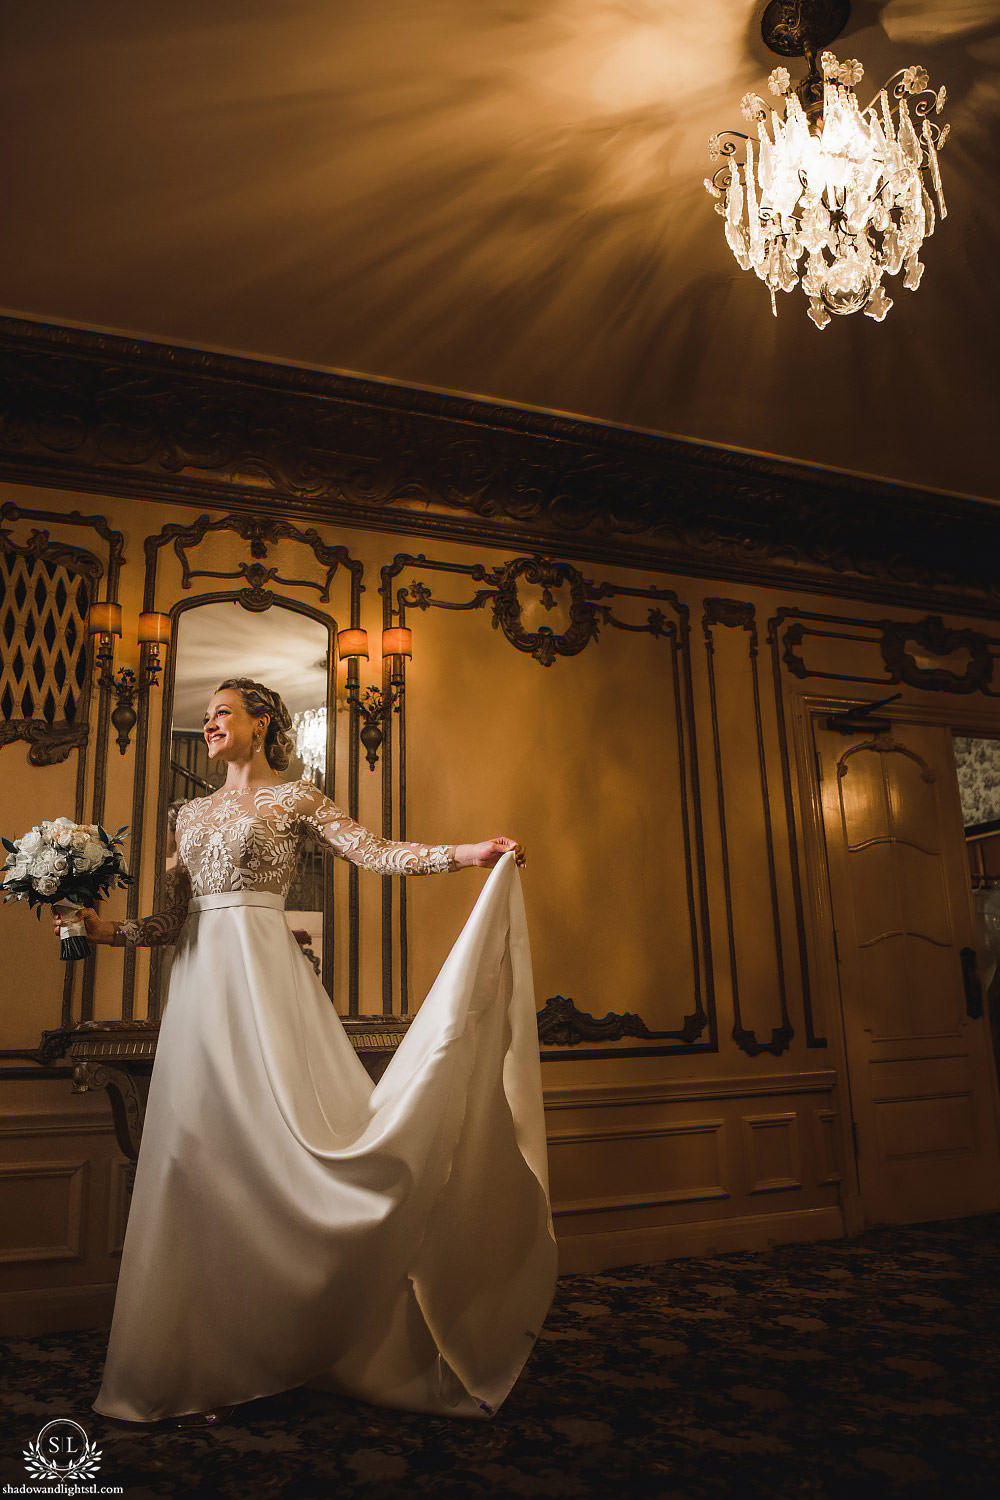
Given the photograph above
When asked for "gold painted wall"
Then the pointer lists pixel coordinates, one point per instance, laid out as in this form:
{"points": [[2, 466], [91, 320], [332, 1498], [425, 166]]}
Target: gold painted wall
{"points": [[660, 779]]}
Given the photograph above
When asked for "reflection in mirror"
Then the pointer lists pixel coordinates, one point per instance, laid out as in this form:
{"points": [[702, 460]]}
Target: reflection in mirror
{"points": [[287, 651]]}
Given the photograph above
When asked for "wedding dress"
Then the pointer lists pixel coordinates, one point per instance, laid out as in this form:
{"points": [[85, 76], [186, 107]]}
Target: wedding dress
{"points": [[292, 1223]]}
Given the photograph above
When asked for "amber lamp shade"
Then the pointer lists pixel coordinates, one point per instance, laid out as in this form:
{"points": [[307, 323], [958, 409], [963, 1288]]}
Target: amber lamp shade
{"points": [[352, 643], [154, 629], [398, 641], [104, 619]]}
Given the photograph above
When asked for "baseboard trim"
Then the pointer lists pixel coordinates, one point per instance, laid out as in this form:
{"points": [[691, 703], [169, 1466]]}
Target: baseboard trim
{"points": [[56, 1309], [582, 1254]]}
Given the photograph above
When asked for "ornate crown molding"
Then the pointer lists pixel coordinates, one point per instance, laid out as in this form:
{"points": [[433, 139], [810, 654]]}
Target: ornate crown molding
{"points": [[95, 412]]}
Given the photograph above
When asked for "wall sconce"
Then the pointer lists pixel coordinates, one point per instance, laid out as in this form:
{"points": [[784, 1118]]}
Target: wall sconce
{"points": [[105, 622], [373, 706]]}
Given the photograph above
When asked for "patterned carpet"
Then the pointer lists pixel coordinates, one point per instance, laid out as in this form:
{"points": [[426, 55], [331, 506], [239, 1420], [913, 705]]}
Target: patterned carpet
{"points": [[863, 1367]]}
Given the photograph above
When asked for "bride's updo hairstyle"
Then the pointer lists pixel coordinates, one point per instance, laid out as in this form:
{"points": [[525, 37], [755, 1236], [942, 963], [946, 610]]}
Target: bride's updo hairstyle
{"points": [[259, 700]]}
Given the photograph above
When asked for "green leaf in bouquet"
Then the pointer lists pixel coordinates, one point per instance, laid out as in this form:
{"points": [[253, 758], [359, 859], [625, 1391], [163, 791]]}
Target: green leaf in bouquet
{"points": [[8, 845]]}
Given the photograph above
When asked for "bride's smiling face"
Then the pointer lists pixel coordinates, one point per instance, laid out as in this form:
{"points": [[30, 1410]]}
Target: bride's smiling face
{"points": [[229, 730]]}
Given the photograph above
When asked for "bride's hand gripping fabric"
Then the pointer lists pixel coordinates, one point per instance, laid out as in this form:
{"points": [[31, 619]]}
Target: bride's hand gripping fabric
{"points": [[489, 853]]}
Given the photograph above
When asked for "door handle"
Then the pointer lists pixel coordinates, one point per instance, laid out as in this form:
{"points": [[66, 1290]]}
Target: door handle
{"points": [[972, 983]]}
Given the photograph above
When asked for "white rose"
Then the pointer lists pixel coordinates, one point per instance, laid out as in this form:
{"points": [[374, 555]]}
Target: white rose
{"points": [[46, 885], [79, 838], [31, 843], [94, 853], [60, 864]]}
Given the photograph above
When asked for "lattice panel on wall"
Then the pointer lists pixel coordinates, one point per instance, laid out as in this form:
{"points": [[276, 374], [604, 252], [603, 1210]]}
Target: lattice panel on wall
{"points": [[43, 663]]}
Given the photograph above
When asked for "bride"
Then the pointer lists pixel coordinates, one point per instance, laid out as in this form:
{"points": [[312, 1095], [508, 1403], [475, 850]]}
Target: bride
{"points": [[292, 1224]]}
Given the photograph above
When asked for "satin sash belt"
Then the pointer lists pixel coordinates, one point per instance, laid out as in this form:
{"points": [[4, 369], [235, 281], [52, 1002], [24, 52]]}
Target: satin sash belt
{"points": [[237, 898]]}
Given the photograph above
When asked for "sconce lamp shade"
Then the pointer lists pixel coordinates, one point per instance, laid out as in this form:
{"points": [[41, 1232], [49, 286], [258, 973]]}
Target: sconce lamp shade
{"points": [[352, 643], [104, 619], [154, 628], [398, 641]]}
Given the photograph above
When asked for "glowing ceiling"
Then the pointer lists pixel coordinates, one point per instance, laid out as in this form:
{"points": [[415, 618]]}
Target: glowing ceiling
{"points": [[503, 199]]}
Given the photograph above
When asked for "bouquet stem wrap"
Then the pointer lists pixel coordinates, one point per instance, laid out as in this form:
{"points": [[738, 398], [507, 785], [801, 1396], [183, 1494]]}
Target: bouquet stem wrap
{"points": [[73, 940]]}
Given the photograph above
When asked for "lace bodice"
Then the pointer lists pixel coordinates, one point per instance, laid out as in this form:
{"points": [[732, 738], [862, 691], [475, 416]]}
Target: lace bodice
{"points": [[249, 839]]}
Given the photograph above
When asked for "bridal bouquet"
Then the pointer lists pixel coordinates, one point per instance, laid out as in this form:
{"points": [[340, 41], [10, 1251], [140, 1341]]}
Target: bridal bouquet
{"points": [[64, 865]]}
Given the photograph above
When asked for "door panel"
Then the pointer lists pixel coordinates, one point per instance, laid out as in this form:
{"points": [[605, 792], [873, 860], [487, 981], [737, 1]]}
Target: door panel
{"points": [[923, 1088]]}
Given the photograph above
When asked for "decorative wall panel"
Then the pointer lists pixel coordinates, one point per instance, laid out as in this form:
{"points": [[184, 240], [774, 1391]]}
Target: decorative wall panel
{"points": [[46, 587], [43, 1207], [753, 917], [584, 609]]}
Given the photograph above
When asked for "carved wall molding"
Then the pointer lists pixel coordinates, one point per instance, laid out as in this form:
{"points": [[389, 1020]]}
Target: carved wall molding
{"points": [[501, 594], [892, 644], [562, 1024], [736, 614], [95, 412], [50, 743], [261, 533], [937, 640]]}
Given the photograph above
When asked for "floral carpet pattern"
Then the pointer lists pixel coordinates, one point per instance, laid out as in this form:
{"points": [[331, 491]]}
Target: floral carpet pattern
{"points": [[863, 1367]]}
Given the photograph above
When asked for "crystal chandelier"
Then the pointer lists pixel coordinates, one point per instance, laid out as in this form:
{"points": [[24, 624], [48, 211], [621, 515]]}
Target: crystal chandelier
{"points": [[834, 197], [309, 734]]}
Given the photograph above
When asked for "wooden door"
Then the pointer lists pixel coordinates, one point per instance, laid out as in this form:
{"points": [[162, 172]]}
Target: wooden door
{"points": [[922, 1082]]}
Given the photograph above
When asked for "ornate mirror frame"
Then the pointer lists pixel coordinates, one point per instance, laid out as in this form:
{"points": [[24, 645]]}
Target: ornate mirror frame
{"points": [[329, 624]]}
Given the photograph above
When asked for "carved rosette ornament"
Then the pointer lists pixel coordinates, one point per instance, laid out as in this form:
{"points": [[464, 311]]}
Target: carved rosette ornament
{"points": [[543, 644]]}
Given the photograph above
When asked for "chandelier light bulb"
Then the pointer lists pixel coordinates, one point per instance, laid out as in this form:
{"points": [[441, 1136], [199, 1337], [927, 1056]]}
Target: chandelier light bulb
{"points": [[309, 735], [835, 201]]}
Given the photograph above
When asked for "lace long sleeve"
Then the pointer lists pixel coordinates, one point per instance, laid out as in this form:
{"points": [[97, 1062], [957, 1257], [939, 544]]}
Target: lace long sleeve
{"points": [[164, 925], [326, 823]]}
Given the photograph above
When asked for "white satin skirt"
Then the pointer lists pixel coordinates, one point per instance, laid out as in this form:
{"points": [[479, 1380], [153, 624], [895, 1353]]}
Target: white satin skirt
{"points": [[294, 1224]]}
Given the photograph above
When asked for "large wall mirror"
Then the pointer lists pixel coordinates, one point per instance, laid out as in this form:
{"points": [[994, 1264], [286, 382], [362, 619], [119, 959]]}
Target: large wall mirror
{"points": [[287, 647]]}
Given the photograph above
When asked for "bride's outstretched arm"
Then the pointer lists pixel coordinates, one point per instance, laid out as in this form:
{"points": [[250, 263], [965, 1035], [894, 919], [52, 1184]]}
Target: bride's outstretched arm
{"points": [[330, 826], [324, 821]]}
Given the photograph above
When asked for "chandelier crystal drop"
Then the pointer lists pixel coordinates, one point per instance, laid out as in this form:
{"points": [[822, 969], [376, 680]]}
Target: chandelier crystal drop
{"points": [[834, 198], [309, 734]]}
